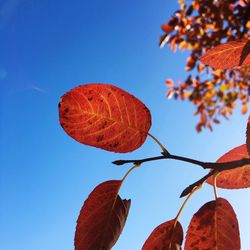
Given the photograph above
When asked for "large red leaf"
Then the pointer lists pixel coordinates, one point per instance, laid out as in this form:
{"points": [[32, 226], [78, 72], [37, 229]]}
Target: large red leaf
{"points": [[102, 218], [248, 135], [214, 227], [165, 236], [228, 55], [234, 178], [105, 116]]}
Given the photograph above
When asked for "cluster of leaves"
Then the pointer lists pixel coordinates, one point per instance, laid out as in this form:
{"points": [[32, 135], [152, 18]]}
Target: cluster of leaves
{"points": [[198, 26], [106, 117]]}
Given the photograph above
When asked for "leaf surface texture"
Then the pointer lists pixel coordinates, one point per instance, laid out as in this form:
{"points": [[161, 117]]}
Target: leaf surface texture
{"points": [[104, 116]]}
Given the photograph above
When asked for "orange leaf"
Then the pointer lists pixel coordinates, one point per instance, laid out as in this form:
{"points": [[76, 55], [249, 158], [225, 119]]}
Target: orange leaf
{"points": [[102, 218], [248, 135], [214, 226], [165, 236], [234, 178], [169, 83], [244, 108], [228, 55], [104, 116], [201, 67], [248, 24]]}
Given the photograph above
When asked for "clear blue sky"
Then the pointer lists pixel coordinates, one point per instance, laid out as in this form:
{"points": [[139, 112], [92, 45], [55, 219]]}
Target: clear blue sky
{"points": [[48, 47]]}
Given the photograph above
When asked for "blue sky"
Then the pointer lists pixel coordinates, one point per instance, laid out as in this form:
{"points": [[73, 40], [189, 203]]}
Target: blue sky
{"points": [[49, 47]]}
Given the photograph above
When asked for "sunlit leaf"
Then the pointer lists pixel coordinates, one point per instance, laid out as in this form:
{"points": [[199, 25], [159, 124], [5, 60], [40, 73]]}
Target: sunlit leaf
{"points": [[234, 178], [165, 236], [228, 55], [102, 218], [214, 226], [105, 116]]}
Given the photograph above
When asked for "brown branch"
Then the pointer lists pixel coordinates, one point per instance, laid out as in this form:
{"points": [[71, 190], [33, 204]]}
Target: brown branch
{"points": [[206, 165], [121, 162], [214, 166], [189, 189]]}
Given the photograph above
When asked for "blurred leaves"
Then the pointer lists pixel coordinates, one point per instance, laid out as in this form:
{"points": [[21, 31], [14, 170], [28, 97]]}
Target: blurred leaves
{"points": [[199, 26]]}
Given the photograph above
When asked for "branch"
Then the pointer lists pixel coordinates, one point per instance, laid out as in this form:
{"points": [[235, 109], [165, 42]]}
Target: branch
{"points": [[121, 162], [215, 167], [206, 165], [190, 188]]}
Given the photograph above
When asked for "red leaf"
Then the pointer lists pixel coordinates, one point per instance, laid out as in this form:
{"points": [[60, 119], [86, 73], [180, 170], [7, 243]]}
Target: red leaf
{"points": [[214, 226], [248, 135], [234, 178], [165, 237], [228, 55], [167, 28], [102, 218], [104, 116]]}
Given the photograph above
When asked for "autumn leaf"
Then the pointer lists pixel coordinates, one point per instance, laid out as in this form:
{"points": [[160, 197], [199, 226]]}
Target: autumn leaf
{"points": [[167, 28], [104, 116], [228, 55], [248, 136], [233, 178], [102, 218], [165, 236], [214, 226], [244, 108], [169, 83]]}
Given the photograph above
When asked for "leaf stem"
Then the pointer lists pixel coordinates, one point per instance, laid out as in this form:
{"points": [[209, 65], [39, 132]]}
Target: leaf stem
{"points": [[214, 185], [180, 211], [185, 202], [158, 142], [135, 166]]}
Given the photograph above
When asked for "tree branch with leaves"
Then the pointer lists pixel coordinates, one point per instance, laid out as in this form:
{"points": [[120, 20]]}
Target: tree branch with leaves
{"points": [[197, 27], [109, 118], [106, 117]]}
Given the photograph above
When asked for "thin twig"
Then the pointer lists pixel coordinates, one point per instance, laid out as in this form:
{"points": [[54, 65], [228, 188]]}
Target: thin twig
{"points": [[216, 167], [190, 188], [121, 162], [206, 165]]}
